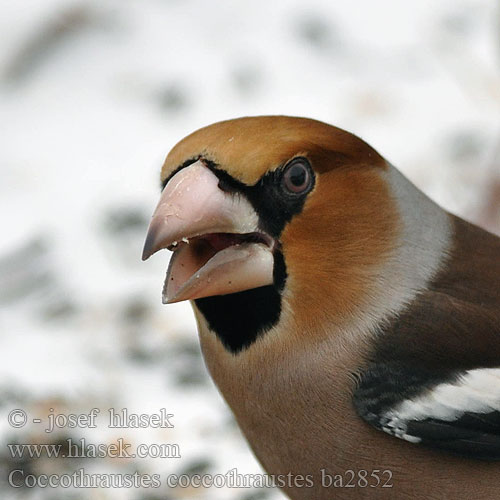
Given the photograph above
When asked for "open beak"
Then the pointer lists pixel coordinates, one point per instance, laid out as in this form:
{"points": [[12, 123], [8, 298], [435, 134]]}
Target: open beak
{"points": [[218, 248]]}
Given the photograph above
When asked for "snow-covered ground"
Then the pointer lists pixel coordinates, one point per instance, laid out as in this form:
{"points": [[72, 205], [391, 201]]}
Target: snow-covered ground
{"points": [[94, 93]]}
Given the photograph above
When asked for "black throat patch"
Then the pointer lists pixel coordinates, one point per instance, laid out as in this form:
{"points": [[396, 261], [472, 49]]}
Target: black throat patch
{"points": [[238, 319]]}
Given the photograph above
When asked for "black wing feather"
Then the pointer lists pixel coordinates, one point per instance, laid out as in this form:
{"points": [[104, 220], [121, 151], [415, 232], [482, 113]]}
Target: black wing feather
{"points": [[383, 387]]}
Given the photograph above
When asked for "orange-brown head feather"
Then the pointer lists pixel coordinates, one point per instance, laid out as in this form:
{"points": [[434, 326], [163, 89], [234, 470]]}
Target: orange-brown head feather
{"points": [[335, 248], [249, 147]]}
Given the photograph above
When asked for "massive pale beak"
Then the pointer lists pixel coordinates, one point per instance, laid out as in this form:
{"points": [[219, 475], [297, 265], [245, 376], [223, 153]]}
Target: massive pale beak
{"points": [[218, 248]]}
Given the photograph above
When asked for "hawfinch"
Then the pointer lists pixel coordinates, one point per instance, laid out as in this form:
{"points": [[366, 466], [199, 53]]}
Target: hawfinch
{"points": [[351, 324]]}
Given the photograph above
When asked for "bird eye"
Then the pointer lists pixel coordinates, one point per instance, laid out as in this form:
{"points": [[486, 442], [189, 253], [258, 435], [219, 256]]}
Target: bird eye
{"points": [[297, 177]]}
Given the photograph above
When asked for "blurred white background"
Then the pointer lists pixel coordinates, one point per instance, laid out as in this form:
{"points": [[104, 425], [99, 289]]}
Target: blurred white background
{"points": [[94, 93]]}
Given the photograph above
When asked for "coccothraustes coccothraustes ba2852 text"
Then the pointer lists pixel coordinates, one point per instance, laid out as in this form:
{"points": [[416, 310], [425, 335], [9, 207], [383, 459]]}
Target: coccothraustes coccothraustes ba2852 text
{"points": [[338, 309]]}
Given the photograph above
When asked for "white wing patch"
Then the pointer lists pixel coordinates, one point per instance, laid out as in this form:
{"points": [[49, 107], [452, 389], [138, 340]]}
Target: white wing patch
{"points": [[476, 391]]}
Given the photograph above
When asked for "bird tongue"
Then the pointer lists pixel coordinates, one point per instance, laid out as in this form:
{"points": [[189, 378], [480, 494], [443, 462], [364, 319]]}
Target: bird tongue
{"points": [[219, 241], [214, 265]]}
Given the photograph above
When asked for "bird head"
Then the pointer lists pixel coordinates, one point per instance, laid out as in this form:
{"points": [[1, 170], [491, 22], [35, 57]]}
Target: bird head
{"points": [[270, 219]]}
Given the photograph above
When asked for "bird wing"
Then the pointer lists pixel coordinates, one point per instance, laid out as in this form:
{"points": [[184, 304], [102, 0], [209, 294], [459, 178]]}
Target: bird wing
{"points": [[459, 413]]}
